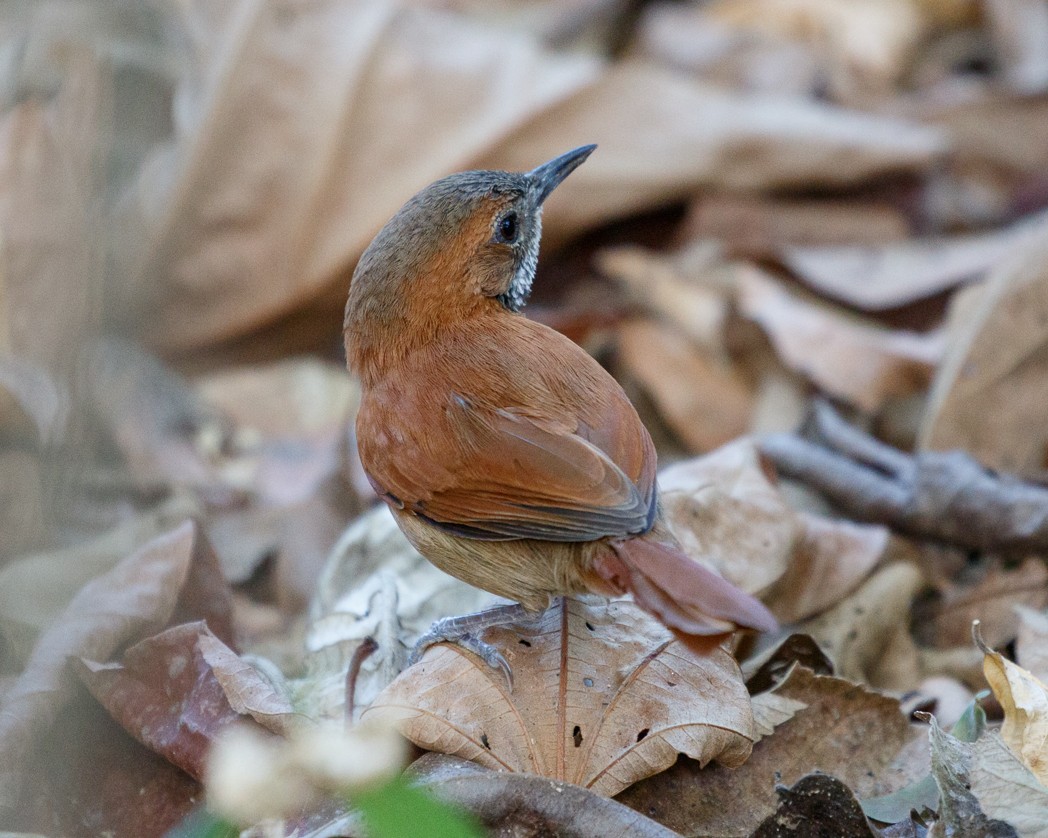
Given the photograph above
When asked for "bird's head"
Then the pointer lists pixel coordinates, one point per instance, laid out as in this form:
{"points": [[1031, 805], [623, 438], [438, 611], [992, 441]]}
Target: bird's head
{"points": [[467, 241]]}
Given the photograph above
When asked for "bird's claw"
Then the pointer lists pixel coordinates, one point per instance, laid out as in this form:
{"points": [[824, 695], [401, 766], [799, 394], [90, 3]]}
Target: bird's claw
{"points": [[451, 630]]}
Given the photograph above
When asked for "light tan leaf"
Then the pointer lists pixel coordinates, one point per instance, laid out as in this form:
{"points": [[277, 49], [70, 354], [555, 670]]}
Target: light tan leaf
{"points": [[724, 508], [703, 398], [237, 240], [245, 688], [866, 634], [761, 226], [848, 358], [830, 561], [659, 283], [602, 698], [845, 730], [1031, 647], [1006, 788], [989, 394], [875, 277], [1025, 701]]}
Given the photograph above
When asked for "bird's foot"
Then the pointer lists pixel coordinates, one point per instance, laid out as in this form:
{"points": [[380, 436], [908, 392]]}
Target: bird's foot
{"points": [[465, 631]]}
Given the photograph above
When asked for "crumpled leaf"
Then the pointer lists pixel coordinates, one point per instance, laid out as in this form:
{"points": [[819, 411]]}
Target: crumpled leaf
{"points": [[924, 794], [704, 399], [850, 359], [959, 810], [175, 692], [989, 393], [1025, 701], [602, 698], [1007, 789], [135, 598], [725, 509], [844, 729]]}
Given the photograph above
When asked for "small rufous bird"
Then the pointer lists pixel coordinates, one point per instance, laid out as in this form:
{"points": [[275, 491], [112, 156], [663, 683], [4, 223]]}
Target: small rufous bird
{"points": [[508, 456]]}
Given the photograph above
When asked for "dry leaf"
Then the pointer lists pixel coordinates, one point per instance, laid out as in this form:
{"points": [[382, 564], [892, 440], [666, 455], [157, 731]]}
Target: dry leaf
{"points": [[991, 599], [847, 358], [703, 398], [830, 561], [760, 227], [959, 811], [1007, 789], [135, 598], [176, 691], [845, 730], [602, 698], [989, 393], [1025, 701], [660, 284], [876, 277], [240, 240], [817, 804], [1031, 646], [724, 509], [866, 635]]}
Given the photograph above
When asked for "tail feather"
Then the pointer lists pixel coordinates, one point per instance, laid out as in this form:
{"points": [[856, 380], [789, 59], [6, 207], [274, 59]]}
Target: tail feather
{"points": [[687, 597]]}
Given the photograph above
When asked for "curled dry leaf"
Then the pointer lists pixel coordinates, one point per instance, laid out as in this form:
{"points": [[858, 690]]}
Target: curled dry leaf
{"points": [[959, 809], [845, 730], [850, 359], [134, 599], [1025, 701], [725, 509], [989, 394], [830, 561], [702, 397], [602, 698], [175, 694]]}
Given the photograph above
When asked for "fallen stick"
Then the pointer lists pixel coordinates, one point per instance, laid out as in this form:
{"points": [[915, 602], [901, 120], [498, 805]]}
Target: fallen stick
{"points": [[943, 496]]}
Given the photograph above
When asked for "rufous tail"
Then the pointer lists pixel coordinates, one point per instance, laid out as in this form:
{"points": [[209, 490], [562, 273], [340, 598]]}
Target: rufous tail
{"points": [[685, 596]]}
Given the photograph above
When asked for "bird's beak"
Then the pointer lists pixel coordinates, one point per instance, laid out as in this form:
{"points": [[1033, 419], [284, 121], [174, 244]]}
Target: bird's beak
{"points": [[549, 175]]}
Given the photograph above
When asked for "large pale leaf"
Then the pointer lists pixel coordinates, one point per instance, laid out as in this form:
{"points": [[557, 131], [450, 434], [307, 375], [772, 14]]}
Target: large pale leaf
{"points": [[989, 394], [602, 697], [1025, 701]]}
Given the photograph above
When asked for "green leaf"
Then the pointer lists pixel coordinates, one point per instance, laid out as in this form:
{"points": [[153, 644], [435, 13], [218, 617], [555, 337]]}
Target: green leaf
{"points": [[399, 808], [202, 824]]}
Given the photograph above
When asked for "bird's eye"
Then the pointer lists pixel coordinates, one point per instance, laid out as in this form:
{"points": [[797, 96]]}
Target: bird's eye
{"points": [[508, 227]]}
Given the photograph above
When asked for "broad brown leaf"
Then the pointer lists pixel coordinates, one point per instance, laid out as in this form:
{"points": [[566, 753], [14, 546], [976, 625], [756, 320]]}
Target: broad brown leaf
{"points": [[844, 730], [602, 697], [176, 691], [134, 599]]}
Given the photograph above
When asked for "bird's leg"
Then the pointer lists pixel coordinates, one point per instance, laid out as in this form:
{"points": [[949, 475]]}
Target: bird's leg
{"points": [[465, 631]]}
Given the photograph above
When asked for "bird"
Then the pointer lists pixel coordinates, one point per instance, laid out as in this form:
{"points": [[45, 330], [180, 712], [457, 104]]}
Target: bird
{"points": [[508, 456]]}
